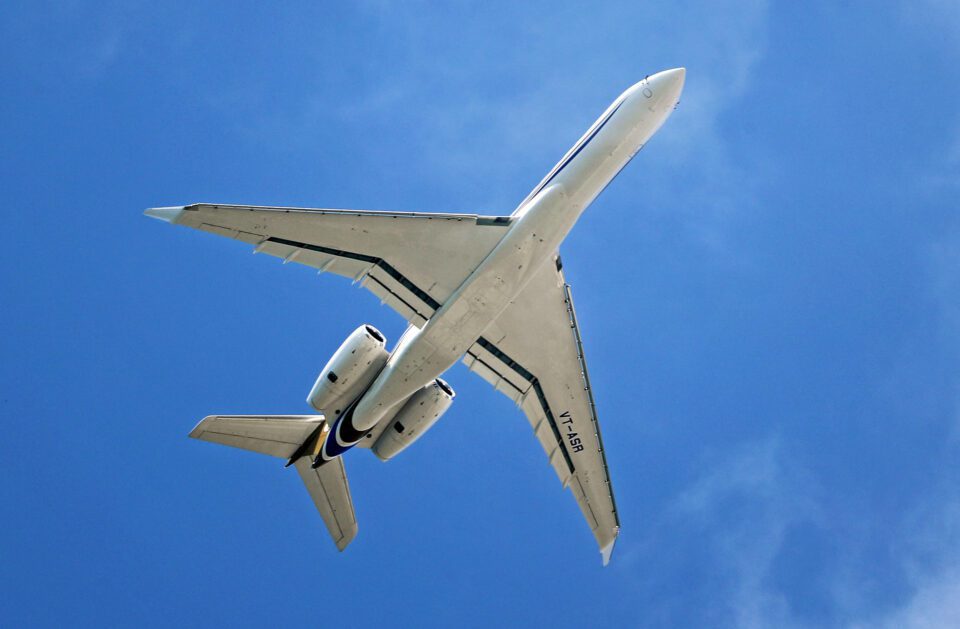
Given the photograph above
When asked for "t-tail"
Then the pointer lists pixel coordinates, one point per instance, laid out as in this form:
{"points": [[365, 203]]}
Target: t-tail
{"points": [[315, 444], [294, 438]]}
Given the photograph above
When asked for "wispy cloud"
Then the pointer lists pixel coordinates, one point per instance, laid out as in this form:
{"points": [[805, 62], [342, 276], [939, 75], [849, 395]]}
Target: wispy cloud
{"points": [[942, 172], [493, 117], [928, 546], [935, 605], [943, 258], [931, 558], [739, 511], [551, 108], [745, 509], [774, 495], [937, 22], [725, 48], [938, 14]]}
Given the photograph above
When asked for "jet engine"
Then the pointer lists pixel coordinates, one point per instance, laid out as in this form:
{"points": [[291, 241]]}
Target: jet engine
{"points": [[414, 418], [350, 371]]}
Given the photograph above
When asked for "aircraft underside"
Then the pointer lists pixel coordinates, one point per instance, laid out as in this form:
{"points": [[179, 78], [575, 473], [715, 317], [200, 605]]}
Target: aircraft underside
{"points": [[488, 290]]}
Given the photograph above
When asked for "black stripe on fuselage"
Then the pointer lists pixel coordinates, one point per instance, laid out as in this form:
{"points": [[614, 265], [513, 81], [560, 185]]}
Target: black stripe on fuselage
{"points": [[576, 151]]}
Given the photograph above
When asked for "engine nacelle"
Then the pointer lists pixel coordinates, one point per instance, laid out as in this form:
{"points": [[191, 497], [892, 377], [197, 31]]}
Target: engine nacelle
{"points": [[349, 371], [414, 418]]}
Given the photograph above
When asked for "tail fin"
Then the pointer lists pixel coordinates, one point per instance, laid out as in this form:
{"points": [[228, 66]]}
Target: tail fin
{"points": [[285, 436]]}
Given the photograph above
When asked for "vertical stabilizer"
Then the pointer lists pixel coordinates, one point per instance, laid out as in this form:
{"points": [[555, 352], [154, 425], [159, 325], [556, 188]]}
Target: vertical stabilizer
{"points": [[330, 492]]}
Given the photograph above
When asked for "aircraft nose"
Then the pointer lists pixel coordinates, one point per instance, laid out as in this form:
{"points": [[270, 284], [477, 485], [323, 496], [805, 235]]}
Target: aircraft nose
{"points": [[667, 85]]}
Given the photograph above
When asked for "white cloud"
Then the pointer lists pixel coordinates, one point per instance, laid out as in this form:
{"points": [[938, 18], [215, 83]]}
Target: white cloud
{"points": [[758, 473], [935, 605], [944, 282], [932, 559], [720, 45], [938, 14], [744, 505], [473, 132], [739, 511], [725, 46], [939, 21]]}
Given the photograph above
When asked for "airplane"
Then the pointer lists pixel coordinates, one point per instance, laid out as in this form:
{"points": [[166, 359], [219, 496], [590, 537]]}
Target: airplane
{"points": [[487, 290]]}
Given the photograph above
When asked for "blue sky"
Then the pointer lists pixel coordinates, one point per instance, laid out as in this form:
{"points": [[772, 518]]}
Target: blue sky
{"points": [[769, 295]]}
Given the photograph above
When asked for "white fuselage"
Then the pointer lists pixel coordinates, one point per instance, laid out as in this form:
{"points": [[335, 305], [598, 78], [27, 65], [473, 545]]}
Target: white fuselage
{"points": [[539, 225]]}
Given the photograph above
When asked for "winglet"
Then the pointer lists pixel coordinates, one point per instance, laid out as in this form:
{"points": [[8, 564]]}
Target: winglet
{"points": [[606, 551], [166, 214]]}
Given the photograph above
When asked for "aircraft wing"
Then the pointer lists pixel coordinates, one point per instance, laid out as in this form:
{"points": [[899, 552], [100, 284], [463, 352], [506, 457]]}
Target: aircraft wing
{"points": [[282, 436], [533, 354], [411, 261], [276, 435]]}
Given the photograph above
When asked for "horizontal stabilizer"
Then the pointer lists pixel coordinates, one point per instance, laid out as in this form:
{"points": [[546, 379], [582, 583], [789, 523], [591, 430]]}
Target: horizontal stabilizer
{"points": [[276, 435]]}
